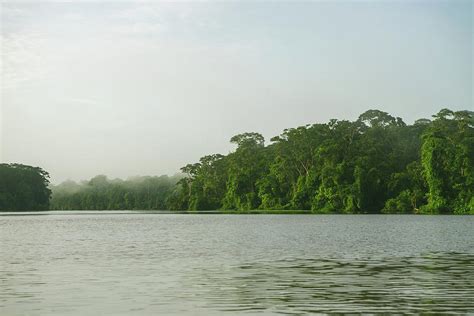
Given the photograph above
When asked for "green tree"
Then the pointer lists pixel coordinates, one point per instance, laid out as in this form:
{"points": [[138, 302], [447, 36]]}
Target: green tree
{"points": [[23, 188]]}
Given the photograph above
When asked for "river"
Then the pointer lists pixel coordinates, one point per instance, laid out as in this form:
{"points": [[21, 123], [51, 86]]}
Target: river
{"points": [[145, 263]]}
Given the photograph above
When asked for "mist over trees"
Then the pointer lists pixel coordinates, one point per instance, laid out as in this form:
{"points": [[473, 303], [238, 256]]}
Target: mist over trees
{"points": [[23, 188], [376, 164], [100, 193]]}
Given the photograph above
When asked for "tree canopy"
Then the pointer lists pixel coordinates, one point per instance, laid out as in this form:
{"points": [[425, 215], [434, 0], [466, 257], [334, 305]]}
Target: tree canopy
{"points": [[376, 164]]}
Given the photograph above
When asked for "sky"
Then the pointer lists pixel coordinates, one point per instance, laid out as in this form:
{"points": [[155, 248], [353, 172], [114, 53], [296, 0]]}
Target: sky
{"points": [[143, 88]]}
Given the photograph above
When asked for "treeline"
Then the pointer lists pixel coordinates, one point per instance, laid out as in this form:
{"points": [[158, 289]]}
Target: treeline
{"points": [[100, 193], [376, 164], [23, 188]]}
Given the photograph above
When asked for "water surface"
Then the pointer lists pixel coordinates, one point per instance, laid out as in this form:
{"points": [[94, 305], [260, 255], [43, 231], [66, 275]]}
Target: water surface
{"points": [[122, 263]]}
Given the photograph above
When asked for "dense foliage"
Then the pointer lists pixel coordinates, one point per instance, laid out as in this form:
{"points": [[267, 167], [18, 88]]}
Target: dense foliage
{"points": [[376, 164], [100, 193], [23, 188]]}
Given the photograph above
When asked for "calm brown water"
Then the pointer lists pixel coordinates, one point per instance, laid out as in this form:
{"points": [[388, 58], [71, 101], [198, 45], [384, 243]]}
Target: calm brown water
{"points": [[147, 264]]}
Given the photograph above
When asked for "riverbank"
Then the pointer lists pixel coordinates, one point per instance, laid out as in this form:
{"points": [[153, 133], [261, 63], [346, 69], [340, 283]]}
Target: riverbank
{"points": [[216, 212]]}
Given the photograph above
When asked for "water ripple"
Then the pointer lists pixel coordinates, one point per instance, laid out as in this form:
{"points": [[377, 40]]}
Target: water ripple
{"points": [[168, 264], [434, 282]]}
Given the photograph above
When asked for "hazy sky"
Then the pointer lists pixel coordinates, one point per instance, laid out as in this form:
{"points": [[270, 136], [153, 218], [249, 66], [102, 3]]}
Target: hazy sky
{"points": [[127, 88]]}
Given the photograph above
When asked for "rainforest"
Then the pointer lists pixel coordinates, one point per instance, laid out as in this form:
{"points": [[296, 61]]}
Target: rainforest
{"points": [[375, 164]]}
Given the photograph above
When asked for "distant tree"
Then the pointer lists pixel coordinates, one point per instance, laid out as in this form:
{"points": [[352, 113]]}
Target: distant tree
{"points": [[23, 188], [100, 193]]}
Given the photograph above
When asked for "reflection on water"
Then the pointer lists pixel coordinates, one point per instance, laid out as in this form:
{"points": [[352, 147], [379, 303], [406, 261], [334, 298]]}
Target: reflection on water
{"points": [[128, 263], [436, 282]]}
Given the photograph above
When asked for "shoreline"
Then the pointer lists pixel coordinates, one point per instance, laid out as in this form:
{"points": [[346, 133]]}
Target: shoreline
{"points": [[217, 212]]}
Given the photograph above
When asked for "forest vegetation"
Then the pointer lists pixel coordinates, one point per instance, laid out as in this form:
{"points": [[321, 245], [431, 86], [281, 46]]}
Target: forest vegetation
{"points": [[375, 164], [100, 193], [23, 188]]}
